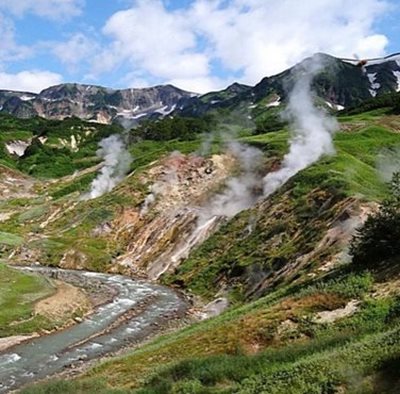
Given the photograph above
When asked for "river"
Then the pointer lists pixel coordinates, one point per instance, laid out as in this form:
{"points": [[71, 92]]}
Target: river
{"points": [[105, 331]]}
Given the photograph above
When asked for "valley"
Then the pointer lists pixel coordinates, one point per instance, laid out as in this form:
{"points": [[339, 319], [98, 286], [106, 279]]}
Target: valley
{"points": [[224, 261]]}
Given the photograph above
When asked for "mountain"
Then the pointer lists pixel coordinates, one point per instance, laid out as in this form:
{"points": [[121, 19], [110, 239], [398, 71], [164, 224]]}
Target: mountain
{"points": [[95, 103], [339, 84]]}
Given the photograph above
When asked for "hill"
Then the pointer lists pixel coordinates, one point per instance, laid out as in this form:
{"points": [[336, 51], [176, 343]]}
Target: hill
{"points": [[300, 312]]}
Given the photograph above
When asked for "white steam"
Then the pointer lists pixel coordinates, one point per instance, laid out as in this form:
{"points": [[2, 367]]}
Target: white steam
{"points": [[312, 129], [240, 191], [117, 161], [170, 178], [388, 163]]}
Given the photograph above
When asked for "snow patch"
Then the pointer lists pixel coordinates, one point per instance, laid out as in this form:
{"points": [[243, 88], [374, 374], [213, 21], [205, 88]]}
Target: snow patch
{"points": [[166, 110], [129, 113], [374, 85], [26, 98], [336, 107], [397, 75], [17, 147], [275, 103]]}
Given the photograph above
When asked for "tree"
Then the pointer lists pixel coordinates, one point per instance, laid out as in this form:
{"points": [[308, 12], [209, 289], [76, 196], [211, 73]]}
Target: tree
{"points": [[378, 240]]}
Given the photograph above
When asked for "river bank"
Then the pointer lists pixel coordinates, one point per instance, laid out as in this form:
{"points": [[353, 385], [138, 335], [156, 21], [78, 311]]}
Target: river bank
{"points": [[137, 310]]}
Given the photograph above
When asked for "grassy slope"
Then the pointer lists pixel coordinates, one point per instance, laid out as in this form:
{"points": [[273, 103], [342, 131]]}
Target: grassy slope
{"points": [[246, 349], [63, 160], [18, 294], [310, 200], [73, 229]]}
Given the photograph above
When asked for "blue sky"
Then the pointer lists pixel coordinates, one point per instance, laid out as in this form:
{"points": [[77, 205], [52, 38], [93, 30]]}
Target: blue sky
{"points": [[198, 45]]}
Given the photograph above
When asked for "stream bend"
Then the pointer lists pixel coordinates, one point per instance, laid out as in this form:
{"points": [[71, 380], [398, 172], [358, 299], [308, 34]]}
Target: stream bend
{"points": [[145, 306]]}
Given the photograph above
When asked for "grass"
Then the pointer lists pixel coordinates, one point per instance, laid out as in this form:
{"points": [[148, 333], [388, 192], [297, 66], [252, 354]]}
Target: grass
{"points": [[18, 294], [292, 221], [248, 349], [9, 239], [219, 355]]}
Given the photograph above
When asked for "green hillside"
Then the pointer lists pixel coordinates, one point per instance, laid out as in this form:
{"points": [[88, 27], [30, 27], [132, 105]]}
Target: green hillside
{"points": [[302, 319], [51, 141]]}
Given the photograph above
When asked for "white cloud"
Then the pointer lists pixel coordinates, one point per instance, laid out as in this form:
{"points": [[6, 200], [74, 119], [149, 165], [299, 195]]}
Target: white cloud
{"points": [[159, 42], [78, 49], [264, 37], [253, 37], [29, 81], [52, 9], [199, 84], [9, 49]]}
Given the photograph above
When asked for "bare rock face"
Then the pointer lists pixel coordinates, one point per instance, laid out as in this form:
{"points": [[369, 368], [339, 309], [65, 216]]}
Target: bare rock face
{"points": [[166, 228], [95, 103], [73, 259]]}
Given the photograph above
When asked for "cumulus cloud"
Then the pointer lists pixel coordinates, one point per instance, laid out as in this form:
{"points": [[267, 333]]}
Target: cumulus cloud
{"points": [[252, 38], [29, 81], [51, 9], [161, 43], [264, 37], [77, 49]]}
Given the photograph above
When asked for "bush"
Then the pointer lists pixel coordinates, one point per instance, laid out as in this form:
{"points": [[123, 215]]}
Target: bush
{"points": [[377, 241], [171, 128]]}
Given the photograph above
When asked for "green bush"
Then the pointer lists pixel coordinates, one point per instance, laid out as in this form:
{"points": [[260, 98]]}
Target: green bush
{"points": [[377, 241]]}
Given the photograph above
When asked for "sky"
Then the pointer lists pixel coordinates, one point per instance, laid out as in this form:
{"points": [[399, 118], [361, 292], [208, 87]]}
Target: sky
{"points": [[197, 45]]}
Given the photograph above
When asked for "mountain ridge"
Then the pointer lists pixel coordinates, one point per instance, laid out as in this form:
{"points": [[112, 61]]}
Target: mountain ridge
{"points": [[339, 84], [94, 103]]}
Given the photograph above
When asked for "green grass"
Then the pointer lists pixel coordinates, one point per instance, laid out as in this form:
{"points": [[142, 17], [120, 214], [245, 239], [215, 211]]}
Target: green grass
{"points": [[146, 152], [52, 160], [216, 356], [292, 221], [9, 239], [212, 356], [18, 294]]}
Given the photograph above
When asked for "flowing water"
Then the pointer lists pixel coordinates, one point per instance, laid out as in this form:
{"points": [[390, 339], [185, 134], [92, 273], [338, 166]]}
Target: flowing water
{"points": [[96, 335]]}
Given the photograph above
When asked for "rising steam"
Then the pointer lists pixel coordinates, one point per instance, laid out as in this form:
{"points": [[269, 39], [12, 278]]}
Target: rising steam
{"points": [[117, 161], [388, 163], [312, 129], [240, 191]]}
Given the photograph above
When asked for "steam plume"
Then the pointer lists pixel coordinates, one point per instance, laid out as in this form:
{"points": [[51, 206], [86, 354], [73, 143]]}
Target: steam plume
{"points": [[312, 129], [240, 191], [117, 161], [388, 163]]}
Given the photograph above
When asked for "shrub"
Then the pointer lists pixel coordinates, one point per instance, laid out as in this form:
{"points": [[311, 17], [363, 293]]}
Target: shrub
{"points": [[377, 241]]}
